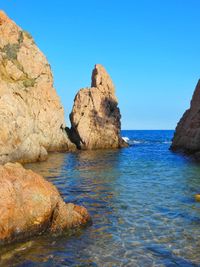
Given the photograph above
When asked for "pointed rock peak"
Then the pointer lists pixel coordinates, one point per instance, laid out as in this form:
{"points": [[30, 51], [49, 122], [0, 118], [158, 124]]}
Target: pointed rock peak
{"points": [[3, 17], [2, 14], [102, 80], [95, 116], [197, 86], [187, 134], [196, 97], [27, 99], [9, 31]]}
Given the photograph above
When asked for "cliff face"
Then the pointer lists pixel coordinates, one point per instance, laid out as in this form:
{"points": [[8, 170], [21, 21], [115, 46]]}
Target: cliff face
{"points": [[32, 117], [95, 116], [31, 114], [187, 134]]}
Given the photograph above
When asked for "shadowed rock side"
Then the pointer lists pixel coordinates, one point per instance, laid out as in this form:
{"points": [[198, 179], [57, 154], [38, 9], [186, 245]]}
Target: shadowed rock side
{"points": [[95, 117], [187, 135], [30, 110], [31, 205]]}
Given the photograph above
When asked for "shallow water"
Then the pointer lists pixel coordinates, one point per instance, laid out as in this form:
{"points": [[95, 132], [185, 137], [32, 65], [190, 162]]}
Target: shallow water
{"points": [[141, 200]]}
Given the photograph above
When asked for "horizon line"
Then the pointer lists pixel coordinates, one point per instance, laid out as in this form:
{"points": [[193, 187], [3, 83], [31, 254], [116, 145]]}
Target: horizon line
{"points": [[147, 129]]}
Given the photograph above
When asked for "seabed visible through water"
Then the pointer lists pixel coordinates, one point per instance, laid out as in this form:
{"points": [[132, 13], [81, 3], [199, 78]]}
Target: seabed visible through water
{"points": [[141, 200]]}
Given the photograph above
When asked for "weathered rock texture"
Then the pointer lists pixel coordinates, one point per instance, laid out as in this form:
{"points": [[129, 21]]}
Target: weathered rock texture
{"points": [[95, 117], [187, 134], [30, 111], [30, 205]]}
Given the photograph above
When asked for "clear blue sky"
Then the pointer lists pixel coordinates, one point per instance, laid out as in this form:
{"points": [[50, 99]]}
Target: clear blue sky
{"points": [[151, 49]]}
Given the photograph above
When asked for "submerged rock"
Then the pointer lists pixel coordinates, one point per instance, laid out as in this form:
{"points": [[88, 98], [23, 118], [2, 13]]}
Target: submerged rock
{"points": [[31, 205], [187, 134], [31, 114], [95, 116], [197, 197]]}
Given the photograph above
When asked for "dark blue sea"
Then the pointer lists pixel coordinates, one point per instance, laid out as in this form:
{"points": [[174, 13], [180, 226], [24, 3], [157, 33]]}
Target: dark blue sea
{"points": [[141, 200]]}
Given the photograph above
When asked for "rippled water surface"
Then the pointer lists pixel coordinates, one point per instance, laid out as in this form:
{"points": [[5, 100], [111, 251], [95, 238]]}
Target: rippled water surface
{"points": [[141, 200]]}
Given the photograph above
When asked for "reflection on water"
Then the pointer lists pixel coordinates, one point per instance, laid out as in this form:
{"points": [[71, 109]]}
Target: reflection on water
{"points": [[141, 201]]}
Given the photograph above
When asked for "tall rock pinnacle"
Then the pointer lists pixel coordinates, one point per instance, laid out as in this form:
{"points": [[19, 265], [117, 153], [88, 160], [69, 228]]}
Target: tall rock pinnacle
{"points": [[95, 116]]}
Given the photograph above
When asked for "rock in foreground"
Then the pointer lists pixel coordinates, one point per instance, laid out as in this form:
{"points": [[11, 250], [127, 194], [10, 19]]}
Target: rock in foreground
{"points": [[31, 205], [31, 114], [95, 117], [187, 134]]}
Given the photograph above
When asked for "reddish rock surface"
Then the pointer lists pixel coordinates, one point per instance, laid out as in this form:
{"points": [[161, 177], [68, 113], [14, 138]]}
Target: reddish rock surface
{"points": [[31, 205], [187, 134], [95, 116], [31, 113]]}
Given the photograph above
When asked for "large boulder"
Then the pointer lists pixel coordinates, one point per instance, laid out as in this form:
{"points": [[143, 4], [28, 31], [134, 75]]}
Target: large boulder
{"points": [[187, 134], [31, 205], [31, 114], [95, 117]]}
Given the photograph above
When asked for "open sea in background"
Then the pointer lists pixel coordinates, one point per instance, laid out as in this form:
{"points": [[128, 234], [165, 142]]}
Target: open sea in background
{"points": [[141, 200]]}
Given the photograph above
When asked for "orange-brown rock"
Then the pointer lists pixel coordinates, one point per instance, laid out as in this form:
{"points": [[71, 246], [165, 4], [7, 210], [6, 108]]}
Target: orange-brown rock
{"points": [[187, 134], [95, 116], [31, 114], [31, 205]]}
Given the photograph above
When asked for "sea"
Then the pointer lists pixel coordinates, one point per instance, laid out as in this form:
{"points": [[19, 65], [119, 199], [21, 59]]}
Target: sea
{"points": [[141, 200]]}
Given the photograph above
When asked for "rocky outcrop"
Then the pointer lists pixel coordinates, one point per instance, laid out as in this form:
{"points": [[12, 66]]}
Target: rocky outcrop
{"points": [[187, 134], [32, 117], [95, 116], [31, 205], [31, 114]]}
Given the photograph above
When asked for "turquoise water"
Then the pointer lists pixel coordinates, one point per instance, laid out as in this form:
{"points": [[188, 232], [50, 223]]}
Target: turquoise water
{"points": [[141, 200]]}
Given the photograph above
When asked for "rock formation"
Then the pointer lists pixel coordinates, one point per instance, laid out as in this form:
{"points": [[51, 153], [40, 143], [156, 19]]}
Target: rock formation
{"points": [[187, 134], [31, 205], [95, 116], [31, 114]]}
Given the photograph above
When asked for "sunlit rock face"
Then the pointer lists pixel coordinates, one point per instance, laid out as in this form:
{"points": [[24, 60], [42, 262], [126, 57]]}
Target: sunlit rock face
{"points": [[95, 116], [31, 114], [187, 134], [30, 205]]}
